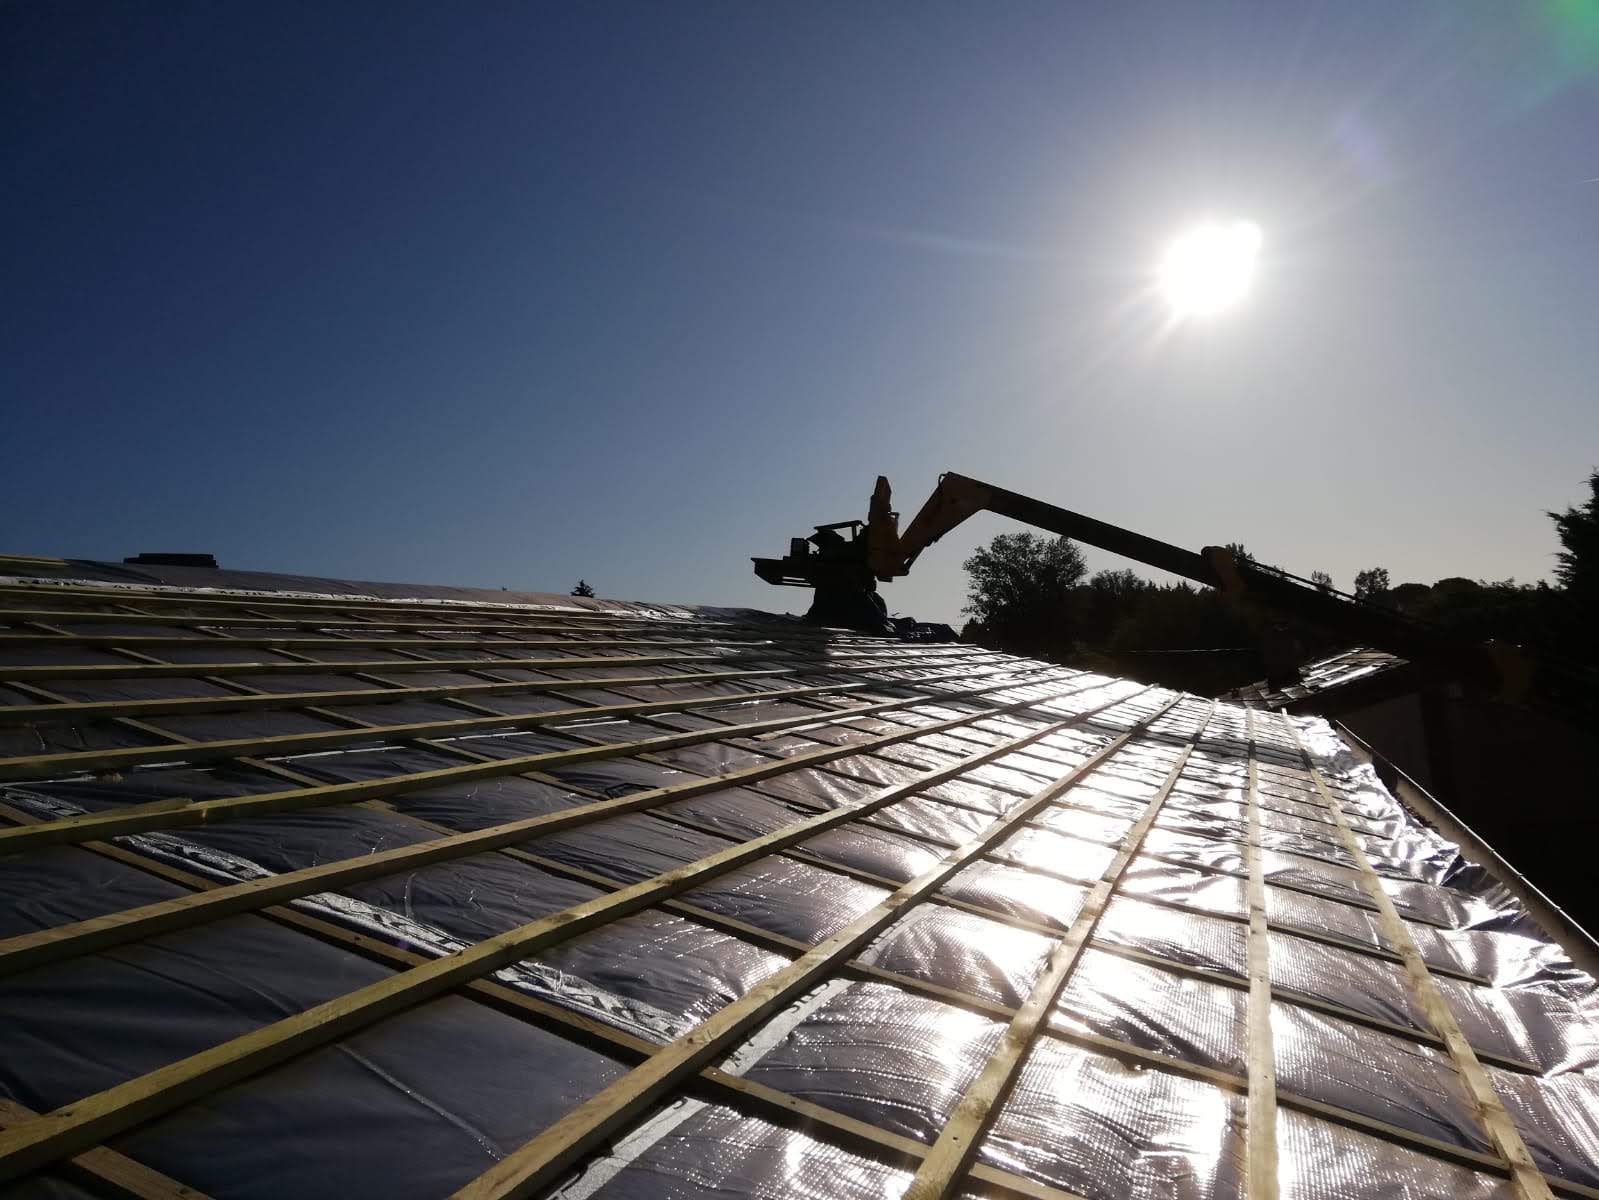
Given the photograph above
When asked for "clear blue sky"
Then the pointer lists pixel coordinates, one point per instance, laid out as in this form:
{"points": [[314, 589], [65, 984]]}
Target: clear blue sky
{"points": [[506, 294]]}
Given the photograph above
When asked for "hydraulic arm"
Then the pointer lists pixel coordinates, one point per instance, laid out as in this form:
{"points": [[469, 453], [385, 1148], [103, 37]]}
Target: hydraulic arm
{"points": [[845, 572]]}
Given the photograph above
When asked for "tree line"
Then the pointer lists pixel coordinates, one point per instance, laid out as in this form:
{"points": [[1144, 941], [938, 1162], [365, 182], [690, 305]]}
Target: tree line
{"points": [[1033, 595]]}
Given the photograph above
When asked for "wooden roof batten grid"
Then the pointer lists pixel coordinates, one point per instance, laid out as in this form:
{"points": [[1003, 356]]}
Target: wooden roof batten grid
{"points": [[1032, 926], [945, 1166], [107, 824], [377, 611], [750, 1094], [104, 1169], [60, 941], [726, 1089], [368, 725], [110, 593], [1527, 1179], [93, 1119], [780, 1106], [1170, 966], [272, 701], [47, 636], [72, 762], [807, 1115], [1260, 1144], [542, 1161], [1344, 944], [146, 665]]}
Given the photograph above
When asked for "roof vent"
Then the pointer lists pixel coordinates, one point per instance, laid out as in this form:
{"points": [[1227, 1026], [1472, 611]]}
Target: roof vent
{"points": [[172, 560]]}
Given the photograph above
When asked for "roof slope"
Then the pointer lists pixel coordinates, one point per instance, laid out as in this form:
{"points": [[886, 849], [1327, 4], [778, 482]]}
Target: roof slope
{"points": [[322, 895], [1352, 677]]}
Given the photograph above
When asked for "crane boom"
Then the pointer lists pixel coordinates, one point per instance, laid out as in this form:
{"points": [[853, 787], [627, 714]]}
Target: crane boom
{"points": [[845, 572]]}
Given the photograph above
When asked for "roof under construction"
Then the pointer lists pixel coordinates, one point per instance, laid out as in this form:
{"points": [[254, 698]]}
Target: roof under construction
{"points": [[1348, 671], [322, 889]]}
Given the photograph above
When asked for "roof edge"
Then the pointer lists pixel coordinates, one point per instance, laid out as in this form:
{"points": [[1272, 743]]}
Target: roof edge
{"points": [[1579, 945]]}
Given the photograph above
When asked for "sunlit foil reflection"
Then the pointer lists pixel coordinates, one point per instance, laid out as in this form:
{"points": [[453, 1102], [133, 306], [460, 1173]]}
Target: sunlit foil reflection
{"points": [[1032, 895], [1062, 855]]}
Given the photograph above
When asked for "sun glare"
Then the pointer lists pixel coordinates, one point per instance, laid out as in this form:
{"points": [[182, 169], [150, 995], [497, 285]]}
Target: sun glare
{"points": [[1209, 268]]}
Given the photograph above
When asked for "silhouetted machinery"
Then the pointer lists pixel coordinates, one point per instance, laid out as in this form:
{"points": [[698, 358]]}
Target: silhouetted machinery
{"points": [[845, 561]]}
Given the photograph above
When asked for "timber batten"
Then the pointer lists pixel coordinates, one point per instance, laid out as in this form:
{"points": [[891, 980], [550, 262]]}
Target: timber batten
{"points": [[483, 803]]}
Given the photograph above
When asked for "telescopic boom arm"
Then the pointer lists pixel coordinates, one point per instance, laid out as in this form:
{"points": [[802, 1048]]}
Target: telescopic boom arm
{"points": [[845, 573]]}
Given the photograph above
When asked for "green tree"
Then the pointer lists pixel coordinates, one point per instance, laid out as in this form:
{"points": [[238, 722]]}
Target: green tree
{"points": [[1103, 601], [582, 588], [1371, 583], [1322, 580], [1180, 617], [1577, 563], [1408, 596], [1119, 584], [1019, 589]]}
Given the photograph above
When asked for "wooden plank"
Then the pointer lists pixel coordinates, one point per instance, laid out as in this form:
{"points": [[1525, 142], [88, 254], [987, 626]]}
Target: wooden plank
{"points": [[51, 636], [825, 1124], [762, 641], [542, 1161], [251, 619], [604, 683], [775, 633], [113, 823], [1138, 1056], [21, 714], [1579, 945], [219, 605], [93, 1119], [791, 946], [1210, 869], [49, 765], [253, 698], [149, 640], [944, 1166], [124, 614], [104, 1168], [940, 844], [820, 1121], [1260, 1131], [96, 933], [793, 854], [1287, 886], [769, 641], [173, 739], [720, 1087], [1503, 1135], [146, 666], [1310, 935], [380, 613], [1003, 917], [1336, 1011], [45, 766], [1336, 941], [226, 600]]}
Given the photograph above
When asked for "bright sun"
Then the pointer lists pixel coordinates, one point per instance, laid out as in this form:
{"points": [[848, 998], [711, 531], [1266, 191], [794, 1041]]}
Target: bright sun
{"points": [[1209, 268]]}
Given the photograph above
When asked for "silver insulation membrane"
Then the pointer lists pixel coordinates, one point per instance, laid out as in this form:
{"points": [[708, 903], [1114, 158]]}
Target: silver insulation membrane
{"points": [[421, 1103]]}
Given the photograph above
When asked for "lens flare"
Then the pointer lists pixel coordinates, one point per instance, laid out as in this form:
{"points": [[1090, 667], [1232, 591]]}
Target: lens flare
{"points": [[1209, 268]]}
